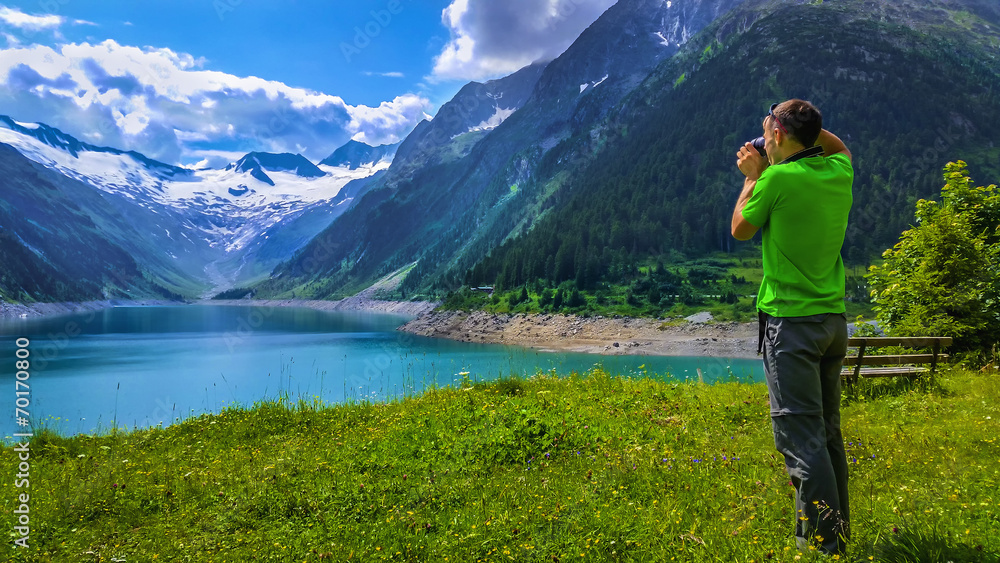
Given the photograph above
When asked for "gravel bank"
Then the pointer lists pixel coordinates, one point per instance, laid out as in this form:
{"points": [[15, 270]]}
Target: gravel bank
{"points": [[592, 335]]}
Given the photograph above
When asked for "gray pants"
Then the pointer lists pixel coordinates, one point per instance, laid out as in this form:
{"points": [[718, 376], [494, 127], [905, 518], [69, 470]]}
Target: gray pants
{"points": [[802, 363]]}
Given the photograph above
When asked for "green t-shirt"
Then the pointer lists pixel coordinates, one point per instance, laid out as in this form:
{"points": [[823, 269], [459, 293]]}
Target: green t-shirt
{"points": [[802, 207]]}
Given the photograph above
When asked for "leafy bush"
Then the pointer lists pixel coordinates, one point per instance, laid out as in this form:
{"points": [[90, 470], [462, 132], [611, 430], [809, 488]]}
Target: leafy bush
{"points": [[943, 277]]}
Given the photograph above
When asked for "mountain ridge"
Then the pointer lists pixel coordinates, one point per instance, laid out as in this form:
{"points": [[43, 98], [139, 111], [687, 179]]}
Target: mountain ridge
{"points": [[56, 138], [651, 195], [454, 203], [75, 257], [201, 230], [355, 154], [258, 163]]}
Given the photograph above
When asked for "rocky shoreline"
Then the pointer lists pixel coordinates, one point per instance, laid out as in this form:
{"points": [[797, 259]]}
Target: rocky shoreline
{"points": [[596, 335]]}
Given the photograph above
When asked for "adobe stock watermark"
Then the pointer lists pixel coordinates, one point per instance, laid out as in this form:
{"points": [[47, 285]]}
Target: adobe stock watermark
{"points": [[163, 411], [22, 415], [455, 117], [247, 324], [934, 154], [366, 33], [567, 9], [223, 7], [57, 341], [48, 22], [52, 7]]}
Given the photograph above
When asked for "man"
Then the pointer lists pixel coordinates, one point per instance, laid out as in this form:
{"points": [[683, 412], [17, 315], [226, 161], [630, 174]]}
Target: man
{"points": [[800, 196]]}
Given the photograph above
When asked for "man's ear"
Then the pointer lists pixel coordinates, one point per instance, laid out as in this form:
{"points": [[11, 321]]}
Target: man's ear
{"points": [[779, 136]]}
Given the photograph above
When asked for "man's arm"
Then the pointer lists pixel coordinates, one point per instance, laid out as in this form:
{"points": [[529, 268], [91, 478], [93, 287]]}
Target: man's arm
{"points": [[832, 144], [743, 229], [752, 165]]}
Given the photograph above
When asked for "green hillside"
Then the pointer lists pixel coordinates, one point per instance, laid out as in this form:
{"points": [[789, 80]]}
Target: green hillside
{"points": [[598, 194], [905, 97], [56, 242], [454, 196]]}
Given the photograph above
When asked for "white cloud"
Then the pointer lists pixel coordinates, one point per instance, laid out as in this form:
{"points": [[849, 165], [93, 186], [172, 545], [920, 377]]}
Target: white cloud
{"points": [[490, 39], [384, 74], [215, 159], [16, 18], [165, 105]]}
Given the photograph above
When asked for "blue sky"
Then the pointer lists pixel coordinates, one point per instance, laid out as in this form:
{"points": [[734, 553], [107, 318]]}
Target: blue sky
{"points": [[198, 82]]}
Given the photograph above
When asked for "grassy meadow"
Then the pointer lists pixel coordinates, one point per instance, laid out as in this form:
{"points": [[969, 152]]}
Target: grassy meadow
{"points": [[585, 467]]}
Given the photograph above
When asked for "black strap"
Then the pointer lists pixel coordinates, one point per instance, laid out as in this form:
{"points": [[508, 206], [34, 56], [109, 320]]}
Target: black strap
{"points": [[804, 153], [761, 327]]}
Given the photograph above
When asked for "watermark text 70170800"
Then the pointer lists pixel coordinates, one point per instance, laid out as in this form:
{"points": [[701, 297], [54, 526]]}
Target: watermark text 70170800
{"points": [[22, 390]]}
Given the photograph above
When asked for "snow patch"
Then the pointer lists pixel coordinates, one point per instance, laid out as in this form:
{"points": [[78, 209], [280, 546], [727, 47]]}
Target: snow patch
{"points": [[27, 125], [495, 120], [585, 85], [663, 40]]}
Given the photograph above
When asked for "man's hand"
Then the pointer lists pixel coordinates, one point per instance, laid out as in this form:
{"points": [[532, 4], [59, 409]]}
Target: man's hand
{"points": [[750, 162]]}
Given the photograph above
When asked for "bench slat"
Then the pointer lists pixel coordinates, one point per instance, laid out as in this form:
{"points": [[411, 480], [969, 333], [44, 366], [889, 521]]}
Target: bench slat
{"points": [[894, 360], [886, 372], [902, 341]]}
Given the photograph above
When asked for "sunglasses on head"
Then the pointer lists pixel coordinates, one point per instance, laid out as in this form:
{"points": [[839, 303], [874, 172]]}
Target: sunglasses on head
{"points": [[770, 113]]}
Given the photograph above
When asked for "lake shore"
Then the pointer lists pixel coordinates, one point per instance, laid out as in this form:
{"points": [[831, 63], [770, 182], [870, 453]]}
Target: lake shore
{"points": [[356, 303], [33, 310], [595, 335]]}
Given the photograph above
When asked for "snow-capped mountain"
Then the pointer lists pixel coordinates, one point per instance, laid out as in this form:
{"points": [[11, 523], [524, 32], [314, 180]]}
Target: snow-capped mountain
{"points": [[222, 227], [256, 162], [57, 139], [355, 154]]}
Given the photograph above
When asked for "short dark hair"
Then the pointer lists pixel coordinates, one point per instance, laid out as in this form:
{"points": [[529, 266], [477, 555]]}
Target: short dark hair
{"points": [[802, 120]]}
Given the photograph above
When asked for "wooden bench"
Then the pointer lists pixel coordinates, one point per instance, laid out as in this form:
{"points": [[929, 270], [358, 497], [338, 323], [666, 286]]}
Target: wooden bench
{"points": [[910, 365]]}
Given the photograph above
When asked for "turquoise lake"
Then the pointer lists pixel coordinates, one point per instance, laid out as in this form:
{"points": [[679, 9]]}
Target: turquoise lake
{"points": [[143, 366]]}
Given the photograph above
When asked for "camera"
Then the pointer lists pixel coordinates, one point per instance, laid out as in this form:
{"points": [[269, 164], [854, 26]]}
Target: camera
{"points": [[758, 144]]}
